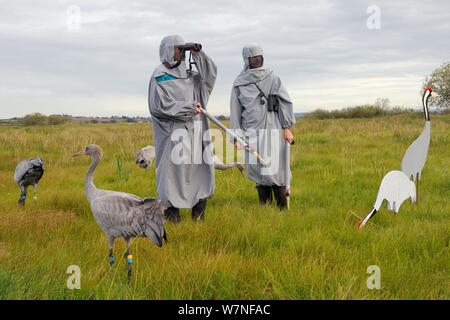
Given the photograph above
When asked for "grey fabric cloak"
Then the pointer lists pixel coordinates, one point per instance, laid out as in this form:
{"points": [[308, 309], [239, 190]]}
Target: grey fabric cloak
{"points": [[248, 114], [173, 96]]}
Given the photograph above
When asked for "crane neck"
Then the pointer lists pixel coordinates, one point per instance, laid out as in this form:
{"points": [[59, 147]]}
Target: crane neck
{"points": [[425, 98], [89, 182]]}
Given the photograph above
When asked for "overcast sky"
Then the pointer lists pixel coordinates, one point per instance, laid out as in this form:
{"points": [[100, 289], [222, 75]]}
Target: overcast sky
{"points": [[323, 51]]}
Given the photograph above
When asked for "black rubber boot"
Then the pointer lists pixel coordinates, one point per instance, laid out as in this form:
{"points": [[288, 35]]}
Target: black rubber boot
{"points": [[198, 211], [172, 214], [280, 196], [264, 194]]}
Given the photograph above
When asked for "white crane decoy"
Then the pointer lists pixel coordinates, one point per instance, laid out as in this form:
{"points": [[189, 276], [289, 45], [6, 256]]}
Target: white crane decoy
{"points": [[416, 154], [395, 188], [145, 157], [29, 172], [122, 215]]}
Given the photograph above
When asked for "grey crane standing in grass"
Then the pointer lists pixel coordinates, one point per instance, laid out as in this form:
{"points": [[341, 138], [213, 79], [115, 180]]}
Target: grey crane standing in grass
{"points": [[145, 157], [416, 154], [28, 172], [122, 215]]}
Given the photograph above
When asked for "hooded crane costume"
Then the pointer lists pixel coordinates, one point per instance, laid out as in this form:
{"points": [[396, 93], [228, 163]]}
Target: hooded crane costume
{"points": [[173, 97], [249, 112]]}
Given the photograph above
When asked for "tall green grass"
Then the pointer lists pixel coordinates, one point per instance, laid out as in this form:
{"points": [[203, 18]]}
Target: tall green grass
{"points": [[242, 250]]}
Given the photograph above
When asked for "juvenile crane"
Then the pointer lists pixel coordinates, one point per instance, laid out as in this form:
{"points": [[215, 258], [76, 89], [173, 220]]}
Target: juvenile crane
{"points": [[28, 172], [122, 215], [145, 157]]}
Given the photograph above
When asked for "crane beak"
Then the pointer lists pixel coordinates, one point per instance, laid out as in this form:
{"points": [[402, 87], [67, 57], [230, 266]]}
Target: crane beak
{"points": [[434, 94], [79, 153]]}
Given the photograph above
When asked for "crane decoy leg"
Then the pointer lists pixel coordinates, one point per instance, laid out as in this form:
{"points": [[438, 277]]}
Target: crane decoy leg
{"points": [[111, 257], [23, 195], [417, 188], [129, 257], [34, 193]]}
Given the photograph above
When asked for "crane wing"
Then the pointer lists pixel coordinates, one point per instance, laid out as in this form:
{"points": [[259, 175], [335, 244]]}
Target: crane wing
{"points": [[24, 166], [125, 215]]}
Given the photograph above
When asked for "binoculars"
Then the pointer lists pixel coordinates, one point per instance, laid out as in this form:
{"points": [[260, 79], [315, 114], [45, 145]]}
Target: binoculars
{"points": [[190, 47]]}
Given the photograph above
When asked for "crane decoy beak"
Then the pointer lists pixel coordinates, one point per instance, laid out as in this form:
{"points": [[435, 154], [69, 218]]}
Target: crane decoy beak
{"points": [[79, 153]]}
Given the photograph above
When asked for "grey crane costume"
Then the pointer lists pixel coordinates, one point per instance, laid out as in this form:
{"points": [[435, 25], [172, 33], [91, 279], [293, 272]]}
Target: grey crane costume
{"points": [[173, 96], [249, 112], [28, 172]]}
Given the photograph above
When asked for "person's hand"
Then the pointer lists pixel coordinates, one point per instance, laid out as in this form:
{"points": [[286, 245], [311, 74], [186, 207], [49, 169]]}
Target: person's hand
{"points": [[237, 145], [197, 108], [288, 135]]}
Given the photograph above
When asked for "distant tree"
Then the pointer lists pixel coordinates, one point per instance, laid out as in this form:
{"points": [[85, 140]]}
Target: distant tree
{"points": [[113, 121], [94, 121], [58, 119], [439, 82], [383, 103], [34, 119]]}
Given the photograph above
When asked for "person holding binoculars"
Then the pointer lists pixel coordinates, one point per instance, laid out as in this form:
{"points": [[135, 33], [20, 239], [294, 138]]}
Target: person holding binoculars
{"points": [[260, 107], [175, 95]]}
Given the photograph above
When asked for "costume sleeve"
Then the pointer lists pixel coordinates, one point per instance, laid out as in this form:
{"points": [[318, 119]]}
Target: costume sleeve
{"points": [[206, 76], [235, 113]]}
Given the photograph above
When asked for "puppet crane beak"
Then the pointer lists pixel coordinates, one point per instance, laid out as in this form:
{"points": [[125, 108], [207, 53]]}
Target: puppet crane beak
{"points": [[79, 153]]}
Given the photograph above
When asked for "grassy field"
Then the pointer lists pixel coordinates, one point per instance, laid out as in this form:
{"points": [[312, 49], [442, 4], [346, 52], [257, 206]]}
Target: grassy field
{"points": [[242, 250]]}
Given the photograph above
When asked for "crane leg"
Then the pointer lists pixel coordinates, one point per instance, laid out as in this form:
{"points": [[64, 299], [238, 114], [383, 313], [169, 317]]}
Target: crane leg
{"points": [[34, 193], [129, 257], [417, 188], [111, 257], [23, 195]]}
